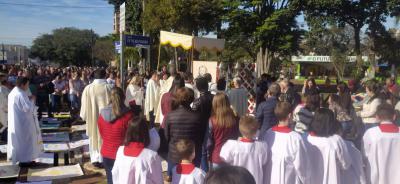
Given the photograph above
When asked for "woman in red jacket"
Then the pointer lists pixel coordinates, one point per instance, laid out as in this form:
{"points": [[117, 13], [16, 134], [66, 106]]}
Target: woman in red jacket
{"points": [[113, 122]]}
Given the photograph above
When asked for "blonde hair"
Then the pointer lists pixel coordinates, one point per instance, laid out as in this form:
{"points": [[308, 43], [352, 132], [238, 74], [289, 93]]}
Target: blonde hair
{"points": [[117, 101], [222, 111], [248, 126], [136, 80]]}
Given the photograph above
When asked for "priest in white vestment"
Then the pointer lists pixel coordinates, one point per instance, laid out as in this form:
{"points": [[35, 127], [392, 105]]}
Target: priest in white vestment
{"points": [[24, 136], [95, 96], [152, 97]]}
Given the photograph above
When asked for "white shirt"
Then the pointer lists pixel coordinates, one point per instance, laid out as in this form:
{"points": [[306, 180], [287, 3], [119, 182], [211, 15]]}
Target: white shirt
{"points": [[329, 159], [187, 174], [381, 148], [134, 93], [289, 160], [251, 155], [145, 168], [369, 110]]}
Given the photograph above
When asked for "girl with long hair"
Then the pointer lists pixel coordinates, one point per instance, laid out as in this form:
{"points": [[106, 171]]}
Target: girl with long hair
{"points": [[113, 122], [223, 125]]}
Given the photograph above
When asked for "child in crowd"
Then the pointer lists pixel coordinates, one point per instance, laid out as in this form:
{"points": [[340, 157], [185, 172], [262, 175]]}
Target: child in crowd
{"points": [[381, 148], [134, 162], [247, 152], [328, 151], [186, 172], [303, 114], [229, 175], [289, 162]]}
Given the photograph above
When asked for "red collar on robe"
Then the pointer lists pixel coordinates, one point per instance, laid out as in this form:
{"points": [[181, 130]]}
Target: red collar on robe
{"points": [[242, 139], [133, 149], [282, 129], [184, 168], [312, 133], [388, 127]]}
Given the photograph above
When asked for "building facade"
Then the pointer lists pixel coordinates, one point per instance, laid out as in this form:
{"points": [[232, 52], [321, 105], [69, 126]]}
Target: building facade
{"points": [[13, 54]]}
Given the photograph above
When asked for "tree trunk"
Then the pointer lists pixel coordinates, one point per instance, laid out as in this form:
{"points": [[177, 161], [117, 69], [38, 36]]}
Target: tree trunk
{"points": [[357, 49], [264, 59]]}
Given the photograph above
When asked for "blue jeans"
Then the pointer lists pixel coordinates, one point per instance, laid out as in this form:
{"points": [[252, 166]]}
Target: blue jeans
{"points": [[346, 126], [55, 102], [75, 101], [108, 166], [171, 165]]}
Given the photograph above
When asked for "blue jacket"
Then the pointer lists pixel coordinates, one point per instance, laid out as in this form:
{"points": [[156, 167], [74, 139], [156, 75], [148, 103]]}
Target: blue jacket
{"points": [[265, 114]]}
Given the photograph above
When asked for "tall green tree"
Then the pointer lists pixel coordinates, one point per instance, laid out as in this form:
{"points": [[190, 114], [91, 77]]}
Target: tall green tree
{"points": [[66, 46], [356, 13], [266, 29], [104, 49]]}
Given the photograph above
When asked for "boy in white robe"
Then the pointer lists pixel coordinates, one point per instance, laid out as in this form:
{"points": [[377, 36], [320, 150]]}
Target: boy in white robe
{"points": [[186, 172], [24, 137], [328, 153], [247, 152], [134, 163], [289, 161], [381, 148]]}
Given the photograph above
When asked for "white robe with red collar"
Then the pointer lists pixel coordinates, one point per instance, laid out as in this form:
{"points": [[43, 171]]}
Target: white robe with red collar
{"points": [[381, 148], [329, 158], [288, 161], [137, 166], [252, 155], [187, 174]]}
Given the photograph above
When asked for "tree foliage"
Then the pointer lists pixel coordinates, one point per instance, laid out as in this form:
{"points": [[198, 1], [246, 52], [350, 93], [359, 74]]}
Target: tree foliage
{"points": [[104, 49], [66, 46], [267, 30]]}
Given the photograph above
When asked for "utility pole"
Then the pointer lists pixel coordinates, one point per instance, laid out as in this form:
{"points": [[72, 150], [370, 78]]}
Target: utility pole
{"points": [[91, 48], [2, 49]]}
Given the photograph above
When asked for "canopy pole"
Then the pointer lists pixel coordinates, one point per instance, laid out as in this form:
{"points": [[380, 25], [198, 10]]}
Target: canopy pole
{"points": [[159, 54], [192, 57]]}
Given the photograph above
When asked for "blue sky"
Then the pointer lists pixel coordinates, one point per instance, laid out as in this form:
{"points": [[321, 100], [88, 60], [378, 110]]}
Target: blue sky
{"points": [[21, 24]]}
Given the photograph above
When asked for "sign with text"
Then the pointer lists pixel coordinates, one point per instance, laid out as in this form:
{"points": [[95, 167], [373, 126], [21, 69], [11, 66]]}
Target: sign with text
{"points": [[136, 40], [117, 45], [122, 18]]}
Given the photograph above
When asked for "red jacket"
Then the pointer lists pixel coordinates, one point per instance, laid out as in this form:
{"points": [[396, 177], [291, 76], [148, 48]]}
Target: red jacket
{"points": [[113, 134]]}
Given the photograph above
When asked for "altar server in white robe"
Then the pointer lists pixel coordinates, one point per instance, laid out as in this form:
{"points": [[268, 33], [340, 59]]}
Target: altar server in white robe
{"points": [[327, 151], [152, 97], [95, 96], [186, 172], [246, 151], [381, 148], [24, 138], [136, 164], [288, 160], [134, 92]]}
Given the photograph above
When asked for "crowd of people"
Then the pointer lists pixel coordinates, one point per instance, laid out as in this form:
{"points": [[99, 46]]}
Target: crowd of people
{"points": [[203, 129]]}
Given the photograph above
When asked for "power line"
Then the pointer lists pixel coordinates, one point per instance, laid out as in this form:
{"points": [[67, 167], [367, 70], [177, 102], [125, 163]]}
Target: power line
{"points": [[51, 6]]}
